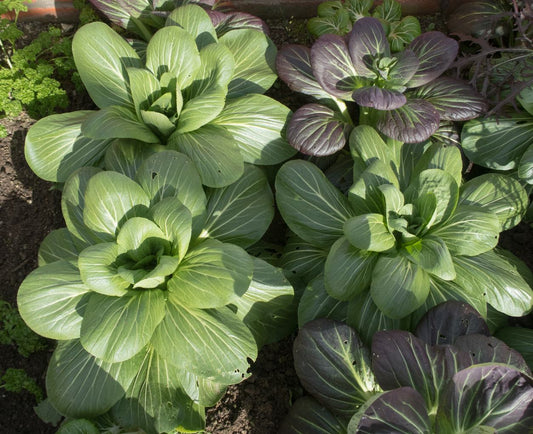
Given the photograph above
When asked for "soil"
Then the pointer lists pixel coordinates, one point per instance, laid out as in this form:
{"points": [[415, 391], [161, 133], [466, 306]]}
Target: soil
{"points": [[30, 209]]}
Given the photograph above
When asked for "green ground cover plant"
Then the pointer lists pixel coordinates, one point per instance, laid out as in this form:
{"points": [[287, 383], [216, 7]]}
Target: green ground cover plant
{"points": [[150, 292]]}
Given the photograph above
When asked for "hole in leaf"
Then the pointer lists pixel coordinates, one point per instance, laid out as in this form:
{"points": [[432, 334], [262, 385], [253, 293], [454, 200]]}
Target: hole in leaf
{"points": [[154, 174], [345, 341]]}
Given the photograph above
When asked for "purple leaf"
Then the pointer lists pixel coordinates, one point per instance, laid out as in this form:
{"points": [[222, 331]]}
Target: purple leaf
{"points": [[293, 64], [487, 395], [454, 99], [366, 41], [401, 359], [444, 323], [378, 98], [435, 52], [488, 349], [332, 66], [224, 22], [404, 69], [414, 122], [314, 129], [120, 12], [398, 411]]}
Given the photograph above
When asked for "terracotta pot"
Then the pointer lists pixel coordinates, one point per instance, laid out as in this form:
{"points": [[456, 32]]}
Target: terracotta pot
{"points": [[50, 10]]}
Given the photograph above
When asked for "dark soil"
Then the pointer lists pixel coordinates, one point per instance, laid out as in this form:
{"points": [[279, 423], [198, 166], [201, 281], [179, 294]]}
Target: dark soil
{"points": [[30, 209]]}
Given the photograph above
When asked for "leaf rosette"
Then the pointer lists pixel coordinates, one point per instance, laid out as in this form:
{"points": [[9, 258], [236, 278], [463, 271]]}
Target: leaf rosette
{"points": [[449, 375], [187, 88], [156, 305], [406, 236], [402, 94]]}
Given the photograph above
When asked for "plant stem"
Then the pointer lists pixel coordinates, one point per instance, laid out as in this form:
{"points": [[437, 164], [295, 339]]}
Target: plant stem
{"points": [[8, 60]]}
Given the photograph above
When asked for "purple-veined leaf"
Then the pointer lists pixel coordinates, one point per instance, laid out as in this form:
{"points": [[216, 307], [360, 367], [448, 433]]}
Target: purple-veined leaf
{"points": [[225, 22], [121, 12], [315, 129], [379, 98], [488, 349], [293, 65], [398, 411], [481, 19], [367, 41], [454, 99], [332, 66], [400, 359], [487, 395], [404, 69], [435, 52], [414, 122], [334, 365], [444, 323]]}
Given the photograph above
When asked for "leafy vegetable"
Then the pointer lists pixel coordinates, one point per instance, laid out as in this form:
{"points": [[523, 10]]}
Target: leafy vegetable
{"points": [[191, 91], [17, 380], [154, 315], [407, 234], [337, 17], [402, 94], [430, 381]]}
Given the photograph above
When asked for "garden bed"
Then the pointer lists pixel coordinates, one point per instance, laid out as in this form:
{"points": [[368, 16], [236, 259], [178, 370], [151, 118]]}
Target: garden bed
{"points": [[30, 209]]}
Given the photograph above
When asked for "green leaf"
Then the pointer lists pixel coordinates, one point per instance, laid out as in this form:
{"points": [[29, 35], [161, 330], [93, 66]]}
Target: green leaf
{"points": [[315, 303], [525, 167], [102, 57], [196, 21], [389, 10], [212, 343], [175, 221], [366, 143], [110, 200], [99, 270], [442, 185], [172, 49], [310, 205], [369, 232], [398, 286], [348, 270], [470, 231], [115, 329], [126, 156], [494, 276], [60, 245], [55, 147], [145, 88], [206, 96], [241, 212], [498, 194], [78, 426], [440, 156], [432, 254], [403, 32], [73, 205], [257, 123], [211, 275], [115, 122], [51, 300], [497, 142], [155, 400], [268, 307], [140, 237], [367, 318], [520, 339], [79, 385], [255, 56], [214, 153], [171, 174], [158, 123], [302, 259]]}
